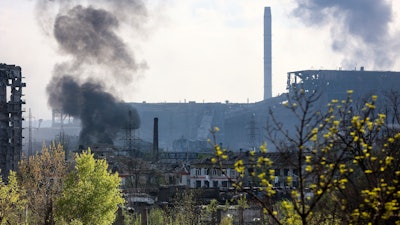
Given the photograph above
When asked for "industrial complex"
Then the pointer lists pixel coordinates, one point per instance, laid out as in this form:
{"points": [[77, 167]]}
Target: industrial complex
{"points": [[184, 127], [169, 141]]}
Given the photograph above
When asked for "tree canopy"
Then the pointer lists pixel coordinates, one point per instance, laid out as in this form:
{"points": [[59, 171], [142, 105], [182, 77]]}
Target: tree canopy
{"points": [[42, 175], [12, 201], [91, 192]]}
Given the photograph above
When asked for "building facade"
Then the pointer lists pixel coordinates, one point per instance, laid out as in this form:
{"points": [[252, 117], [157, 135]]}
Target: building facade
{"points": [[10, 117], [206, 175]]}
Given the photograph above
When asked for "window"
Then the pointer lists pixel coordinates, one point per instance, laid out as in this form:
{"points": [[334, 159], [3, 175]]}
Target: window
{"points": [[206, 184], [198, 171], [295, 174], [223, 172], [285, 172], [198, 183], [214, 172], [215, 183]]}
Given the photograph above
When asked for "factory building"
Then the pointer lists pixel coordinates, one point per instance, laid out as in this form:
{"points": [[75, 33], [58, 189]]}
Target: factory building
{"points": [[10, 117], [185, 127]]}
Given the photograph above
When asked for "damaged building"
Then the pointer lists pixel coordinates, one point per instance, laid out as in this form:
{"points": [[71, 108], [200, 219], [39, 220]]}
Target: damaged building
{"points": [[333, 84], [10, 117]]}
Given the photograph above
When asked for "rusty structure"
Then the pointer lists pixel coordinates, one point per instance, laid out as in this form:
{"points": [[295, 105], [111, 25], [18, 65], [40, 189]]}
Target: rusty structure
{"points": [[10, 117], [334, 83]]}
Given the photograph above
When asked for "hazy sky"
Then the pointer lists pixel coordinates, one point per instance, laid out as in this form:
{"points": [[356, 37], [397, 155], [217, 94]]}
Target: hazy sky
{"points": [[212, 50]]}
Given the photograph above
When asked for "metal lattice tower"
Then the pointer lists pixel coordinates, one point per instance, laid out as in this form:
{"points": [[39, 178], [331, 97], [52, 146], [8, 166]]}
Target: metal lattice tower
{"points": [[253, 131], [10, 117], [131, 147]]}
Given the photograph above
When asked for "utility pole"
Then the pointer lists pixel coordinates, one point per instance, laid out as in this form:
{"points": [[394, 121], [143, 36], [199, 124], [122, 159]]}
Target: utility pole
{"points": [[30, 134]]}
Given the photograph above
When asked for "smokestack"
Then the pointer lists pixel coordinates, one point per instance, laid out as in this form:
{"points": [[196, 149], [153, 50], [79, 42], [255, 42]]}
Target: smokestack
{"points": [[155, 140], [267, 54]]}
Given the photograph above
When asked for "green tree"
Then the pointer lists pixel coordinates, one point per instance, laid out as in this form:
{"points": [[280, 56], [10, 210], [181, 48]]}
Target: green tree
{"points": [[156, 216], [184, 210], [130, 218], [41, 176], [242, 205], [226, 221], [91, 192], [12, 201], [212, 209]]}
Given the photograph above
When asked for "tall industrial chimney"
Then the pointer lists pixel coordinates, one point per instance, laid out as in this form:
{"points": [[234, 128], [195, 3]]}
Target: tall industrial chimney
{"points": [[267, 54], [155, 140]]}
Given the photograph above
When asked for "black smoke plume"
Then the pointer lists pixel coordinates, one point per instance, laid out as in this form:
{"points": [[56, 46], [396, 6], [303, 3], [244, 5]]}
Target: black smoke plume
{"points": [[88, 34], [359, 28], [101, 114], [99, 60]]}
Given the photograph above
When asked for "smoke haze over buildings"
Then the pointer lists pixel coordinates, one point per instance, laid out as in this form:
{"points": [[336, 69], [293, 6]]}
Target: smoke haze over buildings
{"points": [[212, 44], [99, 60], [88, 35], [359, 28]]}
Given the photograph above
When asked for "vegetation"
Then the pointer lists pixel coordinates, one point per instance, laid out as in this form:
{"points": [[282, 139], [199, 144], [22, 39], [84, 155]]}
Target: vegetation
{"points": [[344, 158], [212, 209], [91, 193], [41, 175], [47, 191], [12, 201], [184, 210]]}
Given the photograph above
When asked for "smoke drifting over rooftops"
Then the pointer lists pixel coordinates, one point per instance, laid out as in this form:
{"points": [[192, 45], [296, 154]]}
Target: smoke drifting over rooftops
{"points": [[359, 28], [88, 33]]}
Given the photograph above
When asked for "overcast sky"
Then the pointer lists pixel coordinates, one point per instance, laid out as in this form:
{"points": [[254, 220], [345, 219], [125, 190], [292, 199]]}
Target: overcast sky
{"points": [[212, 50]]}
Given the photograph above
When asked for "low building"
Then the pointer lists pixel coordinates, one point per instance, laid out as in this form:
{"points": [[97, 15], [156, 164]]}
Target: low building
{"points": [[205, 174]]}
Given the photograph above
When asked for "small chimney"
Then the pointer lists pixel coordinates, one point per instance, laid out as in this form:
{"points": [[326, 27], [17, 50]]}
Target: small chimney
{"points": [[362, 68], [155, 140]]}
